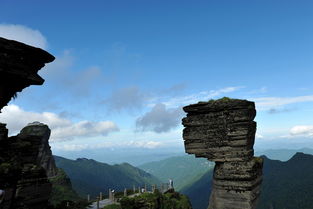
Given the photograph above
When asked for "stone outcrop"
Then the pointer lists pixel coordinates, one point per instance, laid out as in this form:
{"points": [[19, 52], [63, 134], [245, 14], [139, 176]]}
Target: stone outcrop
{"points": [[38, 135], [34, 188], [19, 64], [25, 159], [26, 164], [224, 131]]}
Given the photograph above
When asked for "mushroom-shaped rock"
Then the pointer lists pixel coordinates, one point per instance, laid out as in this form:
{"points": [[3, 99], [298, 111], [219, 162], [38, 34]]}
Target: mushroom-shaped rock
{"points": [[224, 131]]}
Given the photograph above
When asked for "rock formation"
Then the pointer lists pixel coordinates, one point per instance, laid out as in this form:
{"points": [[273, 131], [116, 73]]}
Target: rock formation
{"points": [[19, 64], [38, 135], [33, 188], [25, 159], [224, 131]]}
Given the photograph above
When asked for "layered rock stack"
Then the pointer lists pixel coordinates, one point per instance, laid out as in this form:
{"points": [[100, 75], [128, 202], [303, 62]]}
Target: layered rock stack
{"points": [[223, 131], [25, 160]]}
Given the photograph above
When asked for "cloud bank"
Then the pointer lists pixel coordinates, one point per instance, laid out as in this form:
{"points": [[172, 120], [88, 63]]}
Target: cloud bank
{"points": [[129, 144], [23, 34], [61, 129], [302, 130], [268, 103]]}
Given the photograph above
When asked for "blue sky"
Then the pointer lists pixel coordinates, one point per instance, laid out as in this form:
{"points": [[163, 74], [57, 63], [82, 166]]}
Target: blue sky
{"points": [[124, 69]]}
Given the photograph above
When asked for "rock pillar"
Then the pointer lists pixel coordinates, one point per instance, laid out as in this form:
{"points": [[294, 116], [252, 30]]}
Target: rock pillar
{"points": [[224, 131]]}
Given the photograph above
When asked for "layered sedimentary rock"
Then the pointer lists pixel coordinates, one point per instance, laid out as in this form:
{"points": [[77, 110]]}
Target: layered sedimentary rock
{"points": [[25, 159], [224, 131], [19, 64]]}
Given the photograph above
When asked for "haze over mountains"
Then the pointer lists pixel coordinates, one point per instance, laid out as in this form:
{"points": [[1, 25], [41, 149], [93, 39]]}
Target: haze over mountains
{"points": [[181, 169], [192, 177], [133, 156], [92, 177], [138, 156]]}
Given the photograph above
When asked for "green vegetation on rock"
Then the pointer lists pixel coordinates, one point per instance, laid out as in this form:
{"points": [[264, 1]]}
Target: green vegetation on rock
{"points": [[223, 99], [62, 191], [114, 206], [156, 200]]}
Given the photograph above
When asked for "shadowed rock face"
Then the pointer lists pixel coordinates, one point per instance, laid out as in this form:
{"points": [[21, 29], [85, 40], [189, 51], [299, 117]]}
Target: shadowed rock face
{"points": [[224, 131], [34, 188], [26, 162], [25, 159], [19, 64], [38, 134]]}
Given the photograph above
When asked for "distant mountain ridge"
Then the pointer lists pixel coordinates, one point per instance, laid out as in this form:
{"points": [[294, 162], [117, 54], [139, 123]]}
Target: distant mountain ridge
{"points": [[92, 177], [181, 169], [286, 185], [282, 154]]}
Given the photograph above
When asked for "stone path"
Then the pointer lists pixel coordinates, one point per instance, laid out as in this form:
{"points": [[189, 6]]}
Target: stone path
{"points": [[102, 203]]}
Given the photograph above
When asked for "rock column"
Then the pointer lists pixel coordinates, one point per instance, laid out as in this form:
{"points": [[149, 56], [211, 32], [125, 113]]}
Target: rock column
{"points": [[224, 131]]}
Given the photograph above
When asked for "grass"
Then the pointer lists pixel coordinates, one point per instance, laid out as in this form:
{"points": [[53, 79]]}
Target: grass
{"points": [[113, 206]]}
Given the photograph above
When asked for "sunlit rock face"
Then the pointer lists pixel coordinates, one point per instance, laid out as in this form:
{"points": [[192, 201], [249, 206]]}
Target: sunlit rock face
{"points": [[19, 64], [25, 160], [224, 131]]}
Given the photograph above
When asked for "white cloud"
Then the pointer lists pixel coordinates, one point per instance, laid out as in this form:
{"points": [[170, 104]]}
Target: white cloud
{"points": [[267, 103], [302, 130], [129, 144], [69, 147], [23, 34], [259, 136], [201, 96], [61, 128], [83, 129], [144, 144]]}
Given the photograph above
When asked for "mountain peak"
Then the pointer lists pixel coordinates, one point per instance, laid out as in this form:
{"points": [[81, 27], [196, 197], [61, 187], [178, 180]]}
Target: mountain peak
{"points": [[301, 156]]}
